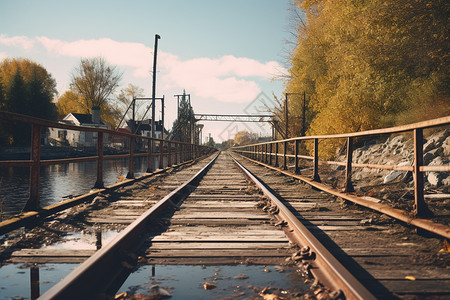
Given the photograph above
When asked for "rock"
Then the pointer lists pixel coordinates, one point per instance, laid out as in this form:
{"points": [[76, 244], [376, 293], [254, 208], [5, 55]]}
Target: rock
{"points": [[441, 136], [435, 178], [395, 174], [397, 140], [437, 161], [446, 146], [159, 292], [431, 144], [428, 157]]}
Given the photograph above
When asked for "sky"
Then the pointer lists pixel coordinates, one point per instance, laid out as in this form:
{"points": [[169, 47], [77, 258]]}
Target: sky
{"points": [[225, 54]]}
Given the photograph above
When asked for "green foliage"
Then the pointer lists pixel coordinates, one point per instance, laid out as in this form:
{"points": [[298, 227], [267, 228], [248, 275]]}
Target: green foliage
{"points": [[369, 64]]}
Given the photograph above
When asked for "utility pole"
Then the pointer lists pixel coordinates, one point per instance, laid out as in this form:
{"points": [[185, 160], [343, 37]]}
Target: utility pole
{"points": [[155, 52], [162, 117]]}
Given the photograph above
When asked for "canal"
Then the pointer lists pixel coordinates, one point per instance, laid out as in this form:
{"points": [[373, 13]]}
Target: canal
{"points": [[59, 182]]}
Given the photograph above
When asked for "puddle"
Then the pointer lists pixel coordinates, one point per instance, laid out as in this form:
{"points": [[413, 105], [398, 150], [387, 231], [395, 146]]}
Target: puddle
{"points": [[231, 282], [84, 240], [18, 281]]}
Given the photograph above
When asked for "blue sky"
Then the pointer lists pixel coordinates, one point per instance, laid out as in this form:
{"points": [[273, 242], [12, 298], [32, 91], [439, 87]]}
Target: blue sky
{"points": [[224, 53]]}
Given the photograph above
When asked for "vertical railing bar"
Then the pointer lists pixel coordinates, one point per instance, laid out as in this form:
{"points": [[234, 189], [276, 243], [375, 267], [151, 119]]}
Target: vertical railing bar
{"points": [[421, 208], [99, 183], [296, 150], [348, 168], [169, 153], [276, 155], [316, 176], [130, 174], [285, 144], [33, 202], [270, 156], [149, 156], [161, 154]]}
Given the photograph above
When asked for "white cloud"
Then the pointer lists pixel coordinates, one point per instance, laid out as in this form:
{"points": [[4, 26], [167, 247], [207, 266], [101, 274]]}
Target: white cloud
{"points": [[226, 79], [17, 41]]}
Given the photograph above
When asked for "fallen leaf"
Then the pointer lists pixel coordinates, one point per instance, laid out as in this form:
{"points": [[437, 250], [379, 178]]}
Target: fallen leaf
{"points": [[208, 286], [410, 277], [271, 297], [121, 296], [445, 247]]}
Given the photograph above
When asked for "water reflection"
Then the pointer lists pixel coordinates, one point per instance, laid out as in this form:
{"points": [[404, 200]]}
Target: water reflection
{"points": [[60, 181], [19, 283]]}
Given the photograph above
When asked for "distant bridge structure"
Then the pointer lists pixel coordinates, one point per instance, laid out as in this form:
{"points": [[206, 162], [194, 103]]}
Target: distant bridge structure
{"points": [[235, 118]]}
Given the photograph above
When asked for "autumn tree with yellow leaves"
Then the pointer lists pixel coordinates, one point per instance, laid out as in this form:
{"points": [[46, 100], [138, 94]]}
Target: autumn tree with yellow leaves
{"points": [[369, 64]]}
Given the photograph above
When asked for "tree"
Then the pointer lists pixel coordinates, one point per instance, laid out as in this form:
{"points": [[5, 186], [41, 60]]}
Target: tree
{"points": [[245, 138], [95, 81], [183, 127], [27, 88], [369, 64], [70, 102], [125, 98]]}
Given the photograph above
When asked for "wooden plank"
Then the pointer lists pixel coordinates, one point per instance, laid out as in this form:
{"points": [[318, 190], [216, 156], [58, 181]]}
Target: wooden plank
{"points": [[218, 245], [216, 238], [217, 253], [221, 215], [214, 222]]}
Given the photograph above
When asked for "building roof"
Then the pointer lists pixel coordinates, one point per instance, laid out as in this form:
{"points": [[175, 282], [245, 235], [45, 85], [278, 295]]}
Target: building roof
{"points": [[85, 118]]}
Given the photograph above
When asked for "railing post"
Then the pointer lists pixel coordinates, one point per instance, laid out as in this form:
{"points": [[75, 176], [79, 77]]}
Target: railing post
{"points": [[296, 150], [421, 208], [270, 155], [169, 154], [35, 169], [284, 156], [175, 148], [161, 155], [130, 174], [276, 155], [348, 168], [149, 156], [261, 155], [99, 183], [316, 176]]}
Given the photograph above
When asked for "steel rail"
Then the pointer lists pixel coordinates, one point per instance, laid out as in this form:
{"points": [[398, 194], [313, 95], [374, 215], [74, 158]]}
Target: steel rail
{"points": [[428, 225], [105, 271], [324, 265]]}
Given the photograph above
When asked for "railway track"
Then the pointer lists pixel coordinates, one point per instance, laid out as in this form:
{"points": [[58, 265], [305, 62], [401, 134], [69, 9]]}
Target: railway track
{"points": [[221, 216]]}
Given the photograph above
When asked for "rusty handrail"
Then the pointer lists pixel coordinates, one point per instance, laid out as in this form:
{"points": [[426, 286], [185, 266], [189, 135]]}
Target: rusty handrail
{"points": [[35, 162], [259, 152]]}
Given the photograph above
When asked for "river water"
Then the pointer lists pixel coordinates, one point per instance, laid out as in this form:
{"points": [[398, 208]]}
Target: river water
{"points": [[58, 182]]}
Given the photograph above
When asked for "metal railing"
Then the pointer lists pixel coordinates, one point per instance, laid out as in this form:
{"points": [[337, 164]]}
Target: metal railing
{"points": [[269, 153], [174, 152]]}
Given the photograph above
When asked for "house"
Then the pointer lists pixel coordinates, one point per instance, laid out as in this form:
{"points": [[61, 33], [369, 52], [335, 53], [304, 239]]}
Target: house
{"points": [[78, 138], [144, 128]]}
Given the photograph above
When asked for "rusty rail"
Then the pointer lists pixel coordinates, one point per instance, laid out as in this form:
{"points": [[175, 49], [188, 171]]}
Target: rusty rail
{"points": [[263, 153], [324, 265], [105, 271], [175, 152]]}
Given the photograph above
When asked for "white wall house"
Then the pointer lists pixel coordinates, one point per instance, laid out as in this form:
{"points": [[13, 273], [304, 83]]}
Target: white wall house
{"points": [[79, 138]]}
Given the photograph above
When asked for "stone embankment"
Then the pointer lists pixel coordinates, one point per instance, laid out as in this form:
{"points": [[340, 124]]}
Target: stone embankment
{"points": [[399, 150]]}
